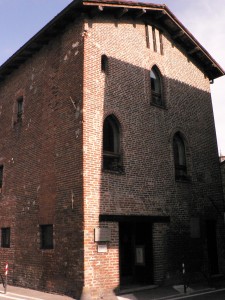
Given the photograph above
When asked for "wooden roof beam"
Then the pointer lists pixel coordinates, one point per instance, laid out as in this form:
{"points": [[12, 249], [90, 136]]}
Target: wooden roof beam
{"points": [[95, 11], [140, 13], [20, 59], [121, 12], [160, 14], [27, 53], [194, 50], [209, 67], [44, 40], [178, 34]]}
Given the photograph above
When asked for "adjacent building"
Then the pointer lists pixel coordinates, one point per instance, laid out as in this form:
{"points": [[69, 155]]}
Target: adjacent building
{"points": [[109, 170], [222, 167]]}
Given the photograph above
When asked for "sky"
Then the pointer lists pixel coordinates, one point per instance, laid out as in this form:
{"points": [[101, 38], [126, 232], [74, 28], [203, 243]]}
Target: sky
{"points": [[205, 19]]}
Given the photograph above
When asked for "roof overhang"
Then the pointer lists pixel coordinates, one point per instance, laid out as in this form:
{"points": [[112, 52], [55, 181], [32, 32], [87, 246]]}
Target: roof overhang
{"points": [[153, 14]]}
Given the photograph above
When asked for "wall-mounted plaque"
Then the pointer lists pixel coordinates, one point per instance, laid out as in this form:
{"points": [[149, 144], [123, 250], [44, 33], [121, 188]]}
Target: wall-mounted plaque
{"points": [[102, 248], [140, 255], [102, 234]]}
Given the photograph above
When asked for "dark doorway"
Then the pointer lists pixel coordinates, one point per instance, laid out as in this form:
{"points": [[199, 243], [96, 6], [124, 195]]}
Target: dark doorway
{"points": [[136, 263], [212, 246]]}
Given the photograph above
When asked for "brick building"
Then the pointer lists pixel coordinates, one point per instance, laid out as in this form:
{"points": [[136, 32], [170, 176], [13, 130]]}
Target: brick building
{"points": [[108, 157]]}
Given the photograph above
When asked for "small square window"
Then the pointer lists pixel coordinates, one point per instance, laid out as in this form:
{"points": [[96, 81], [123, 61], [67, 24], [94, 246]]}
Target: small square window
{"points": [[1, 176], [46, 236], [5, 239]]}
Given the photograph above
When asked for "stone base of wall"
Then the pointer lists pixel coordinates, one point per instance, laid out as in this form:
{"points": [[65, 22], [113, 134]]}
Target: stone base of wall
{"points": [[96, 294]]}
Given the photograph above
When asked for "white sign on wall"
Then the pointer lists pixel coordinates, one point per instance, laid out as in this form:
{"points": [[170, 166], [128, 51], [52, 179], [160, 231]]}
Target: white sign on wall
{"points": [[102, 248], [102, 234]]}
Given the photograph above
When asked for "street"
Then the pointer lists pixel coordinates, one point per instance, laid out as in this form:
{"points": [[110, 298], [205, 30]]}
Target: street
{"points": [[169, 294], [18, 293], [211, 295], [14, 296], [17, 297]]}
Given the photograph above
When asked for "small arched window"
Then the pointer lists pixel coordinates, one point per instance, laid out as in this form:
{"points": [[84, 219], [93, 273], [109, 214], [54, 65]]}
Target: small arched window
{"points": [[179, 157], [156, 87], [111, 144]]}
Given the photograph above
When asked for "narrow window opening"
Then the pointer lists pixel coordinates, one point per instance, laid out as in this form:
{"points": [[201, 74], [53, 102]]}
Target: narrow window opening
{"points": [[161, 44], [5, 238], [104, 63], [111, 144], [147, 36], [179, 157], [154, 39], [1, 176], [19, 109], [46, 236], [156, 87]]}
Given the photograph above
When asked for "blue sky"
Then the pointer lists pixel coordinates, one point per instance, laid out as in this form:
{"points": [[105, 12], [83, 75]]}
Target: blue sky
{"points": [[21, 19]]}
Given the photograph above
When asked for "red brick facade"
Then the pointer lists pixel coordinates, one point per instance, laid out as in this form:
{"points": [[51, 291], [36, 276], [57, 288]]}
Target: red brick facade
{"points": [[53, 162]]}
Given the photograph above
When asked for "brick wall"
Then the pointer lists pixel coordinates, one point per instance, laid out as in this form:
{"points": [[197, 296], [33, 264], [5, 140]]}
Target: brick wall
{"points": [[42, 158], [148, 185]]}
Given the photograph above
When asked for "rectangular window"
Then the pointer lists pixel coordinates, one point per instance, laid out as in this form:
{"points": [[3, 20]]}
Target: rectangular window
{"points": [[5, 239], [154, 39], [1, 176], [19, 108], [46, 236]]}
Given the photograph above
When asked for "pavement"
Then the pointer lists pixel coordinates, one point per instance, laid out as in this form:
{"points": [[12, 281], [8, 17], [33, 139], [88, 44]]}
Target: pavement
{"points": [[147, 293], [171, 292], [161, 293], [18, 293]]}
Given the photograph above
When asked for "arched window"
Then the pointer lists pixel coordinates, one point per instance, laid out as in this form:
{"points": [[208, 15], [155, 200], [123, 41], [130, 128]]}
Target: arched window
{"points": [[179, 157], [111, 143], [156, 87]]}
